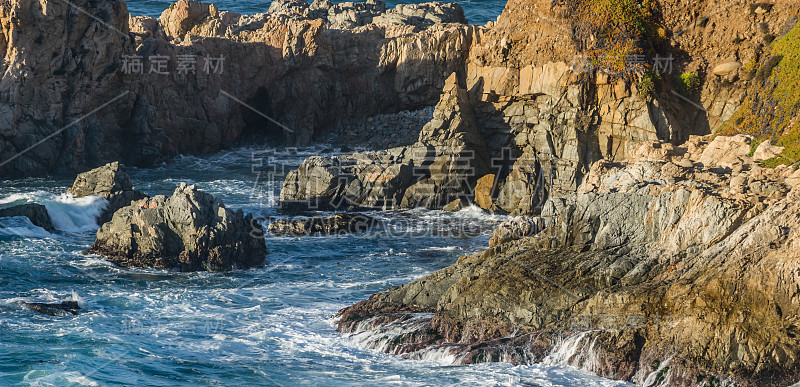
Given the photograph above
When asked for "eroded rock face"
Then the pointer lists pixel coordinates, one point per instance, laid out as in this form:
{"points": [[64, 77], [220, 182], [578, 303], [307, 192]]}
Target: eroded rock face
{"points": [[110, 182], [338, 224], [305, 70], [188, 231], [649, 262], [442, 166]]}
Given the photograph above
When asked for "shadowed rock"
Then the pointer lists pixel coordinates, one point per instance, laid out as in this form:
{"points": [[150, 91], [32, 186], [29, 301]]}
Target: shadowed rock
{"points": [[37, 213], [336, 224], [64, 308], [189, 231]]}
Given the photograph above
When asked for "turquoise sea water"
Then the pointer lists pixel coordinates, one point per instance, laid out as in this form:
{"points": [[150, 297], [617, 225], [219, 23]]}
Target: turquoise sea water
{"points": [[476, 11], [270, 325]]}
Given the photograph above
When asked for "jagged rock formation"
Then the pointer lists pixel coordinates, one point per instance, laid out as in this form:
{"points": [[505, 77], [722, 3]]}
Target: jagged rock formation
{"points": [[188, 231], [106, 86], [660, 265], [110, 182], [441, 167], [37, 214], [339, 224]]}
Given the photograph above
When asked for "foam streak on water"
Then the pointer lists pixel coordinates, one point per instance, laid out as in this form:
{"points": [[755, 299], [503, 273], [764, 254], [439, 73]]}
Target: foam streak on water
{"points": [[271, 325]]}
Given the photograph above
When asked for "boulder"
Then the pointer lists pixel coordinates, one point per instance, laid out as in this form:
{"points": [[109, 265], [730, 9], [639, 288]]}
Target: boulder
{"points": [[188, 231], [37, 213], [726, 151], [766, 151], [726, 68], [484, 192], [337, 224], [110, 182]]}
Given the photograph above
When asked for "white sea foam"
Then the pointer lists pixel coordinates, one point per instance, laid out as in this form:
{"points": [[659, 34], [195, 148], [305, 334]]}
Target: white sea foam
{"points": [[21, 198], [21, 226], [72, 214], [576, 350]]}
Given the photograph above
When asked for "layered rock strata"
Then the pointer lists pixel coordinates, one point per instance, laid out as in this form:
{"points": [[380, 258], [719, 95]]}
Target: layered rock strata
{"points": [[657, 268]]}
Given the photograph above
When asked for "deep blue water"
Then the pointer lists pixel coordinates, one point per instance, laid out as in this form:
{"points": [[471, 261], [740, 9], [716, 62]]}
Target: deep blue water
{"points": [[476, 11], [271, 325]]}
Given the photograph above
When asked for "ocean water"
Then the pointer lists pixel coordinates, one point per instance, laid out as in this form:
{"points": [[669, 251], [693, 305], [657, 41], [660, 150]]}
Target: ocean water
{"points": [[476, 11], [270, 325]]}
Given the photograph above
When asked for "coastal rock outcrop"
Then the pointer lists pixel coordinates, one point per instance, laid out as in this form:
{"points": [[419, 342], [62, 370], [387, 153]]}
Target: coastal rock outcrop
{"points": [[651, 270], [37, 214], [188, 231], [440, 167], [339, 224], [110, 182]]}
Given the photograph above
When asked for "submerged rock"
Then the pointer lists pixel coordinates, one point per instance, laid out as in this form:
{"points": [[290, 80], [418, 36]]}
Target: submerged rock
{"points": [[337, 224], [64, 308], [110, 182], [189, 231], [37, 213]]}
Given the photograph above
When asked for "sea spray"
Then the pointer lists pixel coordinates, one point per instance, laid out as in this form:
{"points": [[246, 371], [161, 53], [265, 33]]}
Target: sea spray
{"points": [[577, 350], [72, 214]]}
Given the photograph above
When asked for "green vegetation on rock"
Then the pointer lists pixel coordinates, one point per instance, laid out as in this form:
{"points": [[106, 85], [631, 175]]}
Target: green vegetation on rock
{"points": [[771, 110], [612, 32], [689, 84]]}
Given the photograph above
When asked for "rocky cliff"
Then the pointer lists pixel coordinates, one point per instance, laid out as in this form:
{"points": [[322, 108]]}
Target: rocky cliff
{"points": [[650, 250], [83, 83], [544, 117], [663, 268]]}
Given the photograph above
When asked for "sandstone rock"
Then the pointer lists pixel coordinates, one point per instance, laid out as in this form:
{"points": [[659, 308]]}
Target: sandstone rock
{"points": [[37, 213], [110, 182], [452, 149], [441, 167], [484, 192], [766, 151], [183, 15], [189, 231], [338, 224], [454, 206]]}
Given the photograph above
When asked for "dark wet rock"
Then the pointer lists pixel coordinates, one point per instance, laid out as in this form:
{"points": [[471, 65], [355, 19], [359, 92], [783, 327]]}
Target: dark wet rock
{"points": [[37, 213], [110, 182], [64, 308], [337, 224], [188, 231]]}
